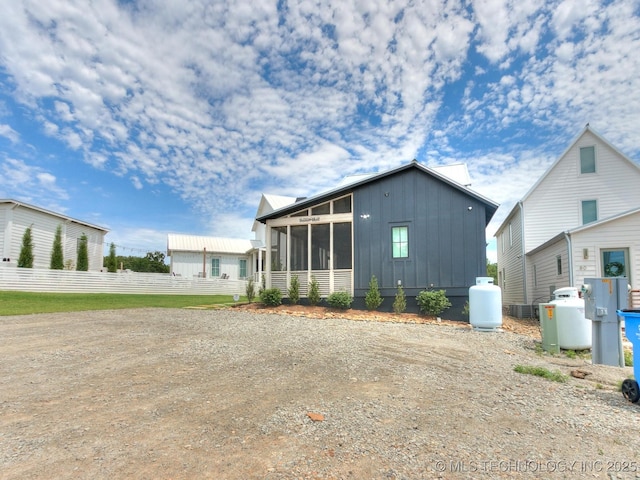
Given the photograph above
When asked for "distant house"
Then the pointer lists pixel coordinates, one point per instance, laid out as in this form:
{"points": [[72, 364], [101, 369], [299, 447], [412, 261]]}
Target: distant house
{"points": [[16, 217], [409, 226], [210, 257], [580, 219]]}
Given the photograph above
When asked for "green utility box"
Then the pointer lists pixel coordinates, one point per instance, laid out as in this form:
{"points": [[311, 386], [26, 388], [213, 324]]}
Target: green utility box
{"points": [[549, 325]]}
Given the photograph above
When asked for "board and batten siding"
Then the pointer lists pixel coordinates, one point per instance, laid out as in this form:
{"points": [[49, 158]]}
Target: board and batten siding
{"points": [[555, 204], [447, 241], [509, 249]]}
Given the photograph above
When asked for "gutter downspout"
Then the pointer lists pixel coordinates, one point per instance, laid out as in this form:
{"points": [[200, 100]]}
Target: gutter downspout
{"points": [[524, 258], [569, 257]]}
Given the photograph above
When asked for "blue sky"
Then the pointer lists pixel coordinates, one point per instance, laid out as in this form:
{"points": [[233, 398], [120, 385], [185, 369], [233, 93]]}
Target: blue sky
{"points": [[151, 117]]}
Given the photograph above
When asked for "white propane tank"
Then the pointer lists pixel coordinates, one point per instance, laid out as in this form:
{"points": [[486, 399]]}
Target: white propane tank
{"points": [[485, 305], [574, 330]]}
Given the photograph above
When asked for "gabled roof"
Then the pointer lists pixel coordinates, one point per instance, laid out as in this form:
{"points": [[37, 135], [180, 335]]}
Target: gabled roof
{"points": [[195, 243], [269, 203], [583, 228], [458, 172], [586, 129], [65, 218], [343, 189]]}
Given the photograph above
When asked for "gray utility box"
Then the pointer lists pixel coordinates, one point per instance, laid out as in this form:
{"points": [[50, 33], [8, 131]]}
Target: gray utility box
{"points": [[602, 298]]}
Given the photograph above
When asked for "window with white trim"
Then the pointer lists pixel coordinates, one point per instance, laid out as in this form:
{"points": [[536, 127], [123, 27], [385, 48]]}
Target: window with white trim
{"points": [[588, 160]]}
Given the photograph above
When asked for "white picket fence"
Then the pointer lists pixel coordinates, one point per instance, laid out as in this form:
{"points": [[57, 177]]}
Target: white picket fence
{"points": [[67, 281]]}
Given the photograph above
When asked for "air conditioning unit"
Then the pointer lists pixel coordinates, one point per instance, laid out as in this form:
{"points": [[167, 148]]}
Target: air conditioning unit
{"points": [[522, 311]]}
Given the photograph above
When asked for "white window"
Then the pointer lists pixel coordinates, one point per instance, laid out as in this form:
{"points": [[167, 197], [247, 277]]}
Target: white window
{"points": [[559, 265], [243, 268]]}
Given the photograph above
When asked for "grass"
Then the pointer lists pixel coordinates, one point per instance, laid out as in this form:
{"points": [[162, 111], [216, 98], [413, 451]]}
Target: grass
{"points": [[24, 303], [555, 376], [628, 358]]}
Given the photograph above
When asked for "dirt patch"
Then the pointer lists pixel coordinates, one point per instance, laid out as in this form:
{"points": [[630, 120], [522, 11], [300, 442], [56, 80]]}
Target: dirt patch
{"points": [[523, 326], [237, 394]]}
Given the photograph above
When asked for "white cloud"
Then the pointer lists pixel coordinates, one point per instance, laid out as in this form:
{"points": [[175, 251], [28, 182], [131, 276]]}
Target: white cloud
{"points": [[29, 183], [217, 99], [8, 132]]}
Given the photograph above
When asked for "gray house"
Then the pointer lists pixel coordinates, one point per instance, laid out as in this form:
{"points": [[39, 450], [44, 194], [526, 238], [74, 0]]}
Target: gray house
{"points": [[409, 226]]}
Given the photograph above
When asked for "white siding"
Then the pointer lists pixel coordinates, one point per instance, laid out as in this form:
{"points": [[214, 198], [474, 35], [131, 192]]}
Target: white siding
{"points": [[618, 234], [189, 264], [555, 204], [510, 264], [622, 233], [15, 221], [546, 272]]}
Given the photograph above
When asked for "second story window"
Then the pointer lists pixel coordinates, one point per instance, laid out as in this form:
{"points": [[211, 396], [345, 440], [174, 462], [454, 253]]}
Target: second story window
{"points": [[588, 160], [589, 211]]}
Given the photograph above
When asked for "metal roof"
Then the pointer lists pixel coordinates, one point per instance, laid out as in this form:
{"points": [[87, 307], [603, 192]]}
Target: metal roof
{"points": [[195, 243], [364, 179], [49, 212]]}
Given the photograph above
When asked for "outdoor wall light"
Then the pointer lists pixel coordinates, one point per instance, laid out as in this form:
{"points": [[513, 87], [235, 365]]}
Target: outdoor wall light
{"points": [[469, 208], [364, 216]]}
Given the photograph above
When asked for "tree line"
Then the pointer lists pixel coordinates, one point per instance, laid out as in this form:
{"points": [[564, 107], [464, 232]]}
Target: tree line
{"points": [[153, 262]]}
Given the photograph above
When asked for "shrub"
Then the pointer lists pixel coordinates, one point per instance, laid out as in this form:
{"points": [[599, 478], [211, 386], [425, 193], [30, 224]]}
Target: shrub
{"points": [[373, 299], [628, 358], [400, 302], [340, 300], [112, 262], [250, 290], [82, 263], [314, 291], [433, 302], [294, 290], [57, 256], [263, 284], [271, 297], [25, 259]]}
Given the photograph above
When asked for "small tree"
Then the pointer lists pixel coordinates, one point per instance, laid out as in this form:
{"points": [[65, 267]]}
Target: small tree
{"points": [[314, 291], [433, 302], [373, 299], [25, 260], [57, 257], [400, 302], [82, 264], [294, 290], [250, 290], [112, 260]]}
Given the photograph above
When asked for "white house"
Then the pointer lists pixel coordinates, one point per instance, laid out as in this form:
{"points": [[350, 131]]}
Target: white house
{"points": [[210, 257], [16, 217], [580, 219], [217, 257]]}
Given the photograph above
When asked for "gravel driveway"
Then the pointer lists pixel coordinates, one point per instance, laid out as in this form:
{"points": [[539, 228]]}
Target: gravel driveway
{"points": [[227, 394]]}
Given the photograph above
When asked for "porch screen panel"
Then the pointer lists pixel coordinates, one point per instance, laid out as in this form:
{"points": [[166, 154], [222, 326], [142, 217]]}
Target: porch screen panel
{"points": [[320, 246], [342, 246], [299, 248], [278, 249]]}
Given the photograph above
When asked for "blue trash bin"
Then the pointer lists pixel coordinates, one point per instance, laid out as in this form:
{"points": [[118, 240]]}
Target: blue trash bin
{"points": [[630, 388]]}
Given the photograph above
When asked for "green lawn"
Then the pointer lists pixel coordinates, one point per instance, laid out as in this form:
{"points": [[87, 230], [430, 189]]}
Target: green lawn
{"points": [[23, 303]]}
